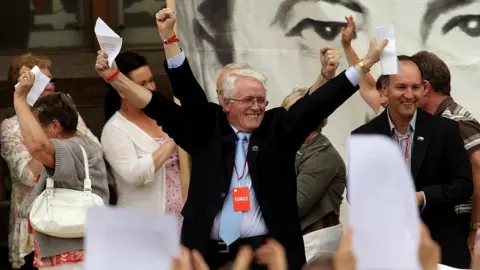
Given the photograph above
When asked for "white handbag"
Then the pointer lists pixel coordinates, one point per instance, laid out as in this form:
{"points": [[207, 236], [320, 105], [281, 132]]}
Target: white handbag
{"points": [[61, 212]]}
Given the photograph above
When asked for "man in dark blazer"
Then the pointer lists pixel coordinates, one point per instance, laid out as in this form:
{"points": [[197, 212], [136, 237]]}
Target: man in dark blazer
{"points": [[209, 135], [433, 148]]}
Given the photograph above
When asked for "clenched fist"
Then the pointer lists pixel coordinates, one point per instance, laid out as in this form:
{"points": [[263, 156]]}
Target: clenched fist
{"points": [[166, 19], [101, 65], [329, 61]]}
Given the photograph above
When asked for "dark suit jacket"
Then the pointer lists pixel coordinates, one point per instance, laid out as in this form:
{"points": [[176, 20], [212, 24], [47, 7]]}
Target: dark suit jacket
{"points": [[202, 129], [441, 169]]}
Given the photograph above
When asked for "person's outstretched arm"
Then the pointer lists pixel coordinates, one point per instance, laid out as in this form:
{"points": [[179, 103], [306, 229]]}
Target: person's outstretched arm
{"points": [[368, 90], [184, 84], [165, 111], [311, 111]]}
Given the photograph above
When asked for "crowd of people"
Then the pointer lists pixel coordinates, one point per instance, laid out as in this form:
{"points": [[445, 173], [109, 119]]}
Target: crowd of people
{"points": [[265, 186]]}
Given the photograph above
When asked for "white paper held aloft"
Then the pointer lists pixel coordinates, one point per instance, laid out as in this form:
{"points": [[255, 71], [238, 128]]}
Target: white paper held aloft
{"points": [[109, 41], [40, 82], [388, 60]]}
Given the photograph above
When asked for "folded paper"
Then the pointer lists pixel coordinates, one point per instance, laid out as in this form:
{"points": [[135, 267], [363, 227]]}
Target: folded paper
{"points": [[109, 41], [40, 83], [388, 60]]}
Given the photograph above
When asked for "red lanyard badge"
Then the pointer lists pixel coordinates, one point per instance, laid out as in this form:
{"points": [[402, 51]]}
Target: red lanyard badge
{"points": [[241, 195]]}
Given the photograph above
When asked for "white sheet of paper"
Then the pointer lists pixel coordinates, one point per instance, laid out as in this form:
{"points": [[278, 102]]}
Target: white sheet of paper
{"points": [[388, 60], [446, 267], [109, 41], [384, 215], [125, 239], [39, 84]]}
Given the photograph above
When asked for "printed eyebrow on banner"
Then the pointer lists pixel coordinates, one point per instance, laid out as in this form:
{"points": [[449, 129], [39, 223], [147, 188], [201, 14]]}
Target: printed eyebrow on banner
{"points": [[284, 11], [327, 30], [435, 8]]}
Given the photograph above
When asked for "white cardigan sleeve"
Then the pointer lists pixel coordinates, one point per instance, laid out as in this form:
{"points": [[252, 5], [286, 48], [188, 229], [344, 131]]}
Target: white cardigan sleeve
{"points": [[122, 156]]}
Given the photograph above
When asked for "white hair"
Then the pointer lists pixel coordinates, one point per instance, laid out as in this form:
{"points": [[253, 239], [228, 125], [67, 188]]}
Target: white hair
{"points": [[236, 65], [233, 66], [229, 87]]}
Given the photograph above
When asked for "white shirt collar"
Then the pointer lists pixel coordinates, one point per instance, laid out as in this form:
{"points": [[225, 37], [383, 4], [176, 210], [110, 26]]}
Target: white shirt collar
{"points": [[236, 131]]}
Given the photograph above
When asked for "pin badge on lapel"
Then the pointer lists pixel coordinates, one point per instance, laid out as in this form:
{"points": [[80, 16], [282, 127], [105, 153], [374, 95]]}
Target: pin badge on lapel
{"points": [[255, 148], [420, 138]]}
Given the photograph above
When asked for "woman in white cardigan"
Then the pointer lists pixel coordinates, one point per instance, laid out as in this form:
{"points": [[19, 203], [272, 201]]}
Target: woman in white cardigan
{"points": [[144, 160]]}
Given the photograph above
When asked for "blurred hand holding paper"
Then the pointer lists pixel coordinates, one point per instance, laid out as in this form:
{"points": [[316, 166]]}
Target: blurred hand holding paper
{"points": [[41, 81], [109, 41], [383, 213], [388, 59], [125, 239]]}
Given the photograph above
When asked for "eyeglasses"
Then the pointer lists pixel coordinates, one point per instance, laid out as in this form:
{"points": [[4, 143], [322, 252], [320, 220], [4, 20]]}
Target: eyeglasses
{"points": [[250, 101]]}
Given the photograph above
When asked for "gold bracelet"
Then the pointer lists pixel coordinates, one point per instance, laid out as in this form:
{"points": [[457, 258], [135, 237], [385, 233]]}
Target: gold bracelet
{"points": [[363, 67], [474, 226]]}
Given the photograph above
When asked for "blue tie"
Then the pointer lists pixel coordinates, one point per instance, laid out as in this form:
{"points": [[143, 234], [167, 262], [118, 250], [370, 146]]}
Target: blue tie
{"points": [[231, 221]]}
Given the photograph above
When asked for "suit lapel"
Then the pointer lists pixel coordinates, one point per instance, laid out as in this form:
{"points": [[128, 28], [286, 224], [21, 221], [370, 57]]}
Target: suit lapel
{"points": [[421, 139], [381, 124], [253, 148], [229, 154]]}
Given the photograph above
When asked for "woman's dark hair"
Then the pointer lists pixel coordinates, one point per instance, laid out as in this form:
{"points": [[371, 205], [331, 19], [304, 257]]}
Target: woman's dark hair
{"points": [[126, 63], [57, 106]]}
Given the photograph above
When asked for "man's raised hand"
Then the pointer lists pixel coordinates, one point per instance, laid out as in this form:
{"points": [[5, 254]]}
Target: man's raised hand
{"points": [[374, 52], [166, 19], [329, 61]]}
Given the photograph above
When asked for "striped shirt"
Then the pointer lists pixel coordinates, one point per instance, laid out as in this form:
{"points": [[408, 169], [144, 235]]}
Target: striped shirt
{"points": [[469, 130], [405, 141]]}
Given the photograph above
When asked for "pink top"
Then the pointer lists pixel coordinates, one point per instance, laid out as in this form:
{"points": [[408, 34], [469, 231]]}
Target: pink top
{"points": [[174, 197]]}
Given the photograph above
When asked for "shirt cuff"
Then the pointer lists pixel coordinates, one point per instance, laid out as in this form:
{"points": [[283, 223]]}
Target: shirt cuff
{"points": [[176, 61], [424, 201], [353, 76]]}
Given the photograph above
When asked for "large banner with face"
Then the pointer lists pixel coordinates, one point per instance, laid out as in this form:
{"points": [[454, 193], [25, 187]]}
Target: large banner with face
{"points": [[282, 38]]}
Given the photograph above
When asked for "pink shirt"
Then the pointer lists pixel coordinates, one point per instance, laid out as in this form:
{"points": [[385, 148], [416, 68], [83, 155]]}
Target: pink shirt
{"points": [[174, 197]]}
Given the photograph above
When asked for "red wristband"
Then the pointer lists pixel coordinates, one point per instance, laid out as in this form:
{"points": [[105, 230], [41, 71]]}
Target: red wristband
{"points": [[113, 76], [172, 39]]}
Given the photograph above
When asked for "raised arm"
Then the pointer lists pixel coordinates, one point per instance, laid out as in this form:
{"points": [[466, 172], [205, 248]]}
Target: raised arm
{"points": [[329, 67], [36, 141], [329, 62], [184, 84], [367, 84], [165, 111], [312, 110]]}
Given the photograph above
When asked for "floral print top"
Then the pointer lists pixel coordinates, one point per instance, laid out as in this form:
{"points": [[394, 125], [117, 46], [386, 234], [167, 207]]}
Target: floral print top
{"points": [[174, 197], [17, 157]]}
